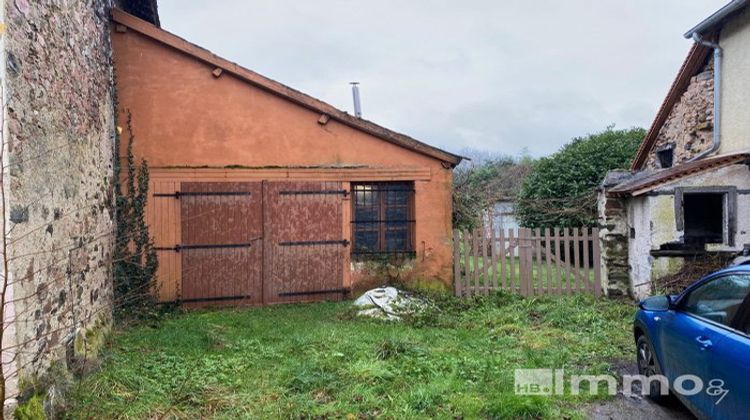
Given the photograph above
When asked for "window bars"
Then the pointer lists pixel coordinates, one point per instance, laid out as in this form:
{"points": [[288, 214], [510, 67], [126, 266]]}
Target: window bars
{"points": [[383, 219]]}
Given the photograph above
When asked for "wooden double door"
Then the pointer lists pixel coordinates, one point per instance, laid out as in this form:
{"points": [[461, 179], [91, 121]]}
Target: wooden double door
{"points": [[260, 242]]}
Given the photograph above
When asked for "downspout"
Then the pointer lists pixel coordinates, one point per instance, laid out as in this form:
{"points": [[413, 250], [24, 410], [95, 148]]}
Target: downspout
{"points": [[716, 134]]}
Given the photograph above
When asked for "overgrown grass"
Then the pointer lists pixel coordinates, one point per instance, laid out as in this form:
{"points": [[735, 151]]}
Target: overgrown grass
{"points": [[318, 360]]}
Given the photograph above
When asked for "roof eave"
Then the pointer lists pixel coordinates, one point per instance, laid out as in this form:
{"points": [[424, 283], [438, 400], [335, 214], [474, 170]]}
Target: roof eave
{"points": [[667, 176], [173, 41], [710, 23]]}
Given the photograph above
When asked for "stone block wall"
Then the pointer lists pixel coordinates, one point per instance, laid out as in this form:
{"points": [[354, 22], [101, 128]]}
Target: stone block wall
{"points": [[60, 142], [689, 126], [613, 238]]}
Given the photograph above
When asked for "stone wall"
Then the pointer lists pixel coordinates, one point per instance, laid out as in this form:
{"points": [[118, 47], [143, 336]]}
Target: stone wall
{"points": [[60, 128], [689, 126], [613, 238]]}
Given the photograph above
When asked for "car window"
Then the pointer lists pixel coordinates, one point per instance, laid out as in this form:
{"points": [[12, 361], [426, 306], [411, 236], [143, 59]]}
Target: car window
{"points": [[719, 300]]}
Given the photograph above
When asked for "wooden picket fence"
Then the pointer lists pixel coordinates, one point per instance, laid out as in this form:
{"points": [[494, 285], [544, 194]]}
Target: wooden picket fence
{"points": [[527, 261]]}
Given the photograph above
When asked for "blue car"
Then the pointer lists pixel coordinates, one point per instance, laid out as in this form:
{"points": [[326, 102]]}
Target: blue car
{"points": [[700, 342]]}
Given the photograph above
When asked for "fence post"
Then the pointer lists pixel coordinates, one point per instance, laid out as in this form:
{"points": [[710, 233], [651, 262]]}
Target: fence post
{"points": [[467, 272], [548, 259], [513, 248], [558, 259], [493, 259], [536, 283], [586, 268], [456, 263], [576, 262], [519, 241], [530, 262], [523, 260], [502, 281], [475, 259], [597, 263], [566, 262], [485, 267]]}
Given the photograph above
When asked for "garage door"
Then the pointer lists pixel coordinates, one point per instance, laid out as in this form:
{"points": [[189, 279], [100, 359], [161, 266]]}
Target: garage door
{"points": [[305, 248], [253, 242], [221, 247]]}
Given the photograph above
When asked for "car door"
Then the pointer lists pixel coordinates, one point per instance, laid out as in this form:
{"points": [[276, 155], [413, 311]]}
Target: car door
{"points": [[729, 373], [701, 324]]}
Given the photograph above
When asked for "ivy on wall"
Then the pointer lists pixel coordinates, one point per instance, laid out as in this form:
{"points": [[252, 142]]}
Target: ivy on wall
{"points": [[135, 260]]}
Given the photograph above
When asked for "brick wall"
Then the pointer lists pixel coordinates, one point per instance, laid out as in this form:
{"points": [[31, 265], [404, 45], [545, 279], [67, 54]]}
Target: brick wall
{"points": [[688, 128], [60, 125]]}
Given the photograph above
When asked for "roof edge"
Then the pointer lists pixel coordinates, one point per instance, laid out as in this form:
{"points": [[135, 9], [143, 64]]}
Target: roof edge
{"points": [[642, 185], [708, 24], [279, 89]]}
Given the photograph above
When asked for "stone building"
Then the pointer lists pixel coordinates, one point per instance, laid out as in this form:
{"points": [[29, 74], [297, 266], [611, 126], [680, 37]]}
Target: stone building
{"points": [[58, 136], [687, 194]]}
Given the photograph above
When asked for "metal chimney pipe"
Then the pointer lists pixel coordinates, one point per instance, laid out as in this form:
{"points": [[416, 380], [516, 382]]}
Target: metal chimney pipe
{"points": [[355, 96]]}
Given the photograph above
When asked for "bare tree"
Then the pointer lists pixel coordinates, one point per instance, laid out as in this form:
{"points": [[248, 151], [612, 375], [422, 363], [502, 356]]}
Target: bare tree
{"points": [[481, 182]]}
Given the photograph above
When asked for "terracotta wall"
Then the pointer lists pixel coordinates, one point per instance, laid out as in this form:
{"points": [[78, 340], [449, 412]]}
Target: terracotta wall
{"points": [[185, 117]]}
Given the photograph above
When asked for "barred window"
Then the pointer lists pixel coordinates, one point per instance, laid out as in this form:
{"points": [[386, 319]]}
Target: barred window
{"points": [[383, 218]]}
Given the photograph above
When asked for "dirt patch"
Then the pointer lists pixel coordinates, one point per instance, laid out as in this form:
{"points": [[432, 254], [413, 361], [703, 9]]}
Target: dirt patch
{"points": [[624, 407]]}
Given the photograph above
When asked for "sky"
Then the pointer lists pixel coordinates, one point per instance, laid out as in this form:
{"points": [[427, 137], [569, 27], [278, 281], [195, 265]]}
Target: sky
{"points": [[506, 77]]}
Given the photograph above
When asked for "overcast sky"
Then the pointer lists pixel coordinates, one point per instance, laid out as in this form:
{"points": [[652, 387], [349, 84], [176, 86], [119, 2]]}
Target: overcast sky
{"points": [[497, 75]]}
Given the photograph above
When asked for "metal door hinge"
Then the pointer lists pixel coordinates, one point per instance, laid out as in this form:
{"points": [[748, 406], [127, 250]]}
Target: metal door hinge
{"points": [[343, 242], [179, 194]]}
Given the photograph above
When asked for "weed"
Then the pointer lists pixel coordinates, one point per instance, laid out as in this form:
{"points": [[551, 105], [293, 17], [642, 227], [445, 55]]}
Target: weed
{"points": [[33, 409], [390, 348]]}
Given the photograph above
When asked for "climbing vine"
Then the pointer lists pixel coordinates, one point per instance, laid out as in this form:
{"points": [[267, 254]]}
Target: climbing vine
{"points": [[135, 260]]}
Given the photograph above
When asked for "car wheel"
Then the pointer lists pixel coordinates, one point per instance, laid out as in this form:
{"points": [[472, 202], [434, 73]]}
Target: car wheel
{"points": [[648, 366]]}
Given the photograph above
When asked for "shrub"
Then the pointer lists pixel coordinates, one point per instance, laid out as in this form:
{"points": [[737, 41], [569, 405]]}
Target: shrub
{"points": [[560, 191], [482, 182]]}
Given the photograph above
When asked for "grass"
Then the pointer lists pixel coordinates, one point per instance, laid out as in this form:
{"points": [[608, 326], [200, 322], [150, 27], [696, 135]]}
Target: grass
{"points": [[318, 360]]}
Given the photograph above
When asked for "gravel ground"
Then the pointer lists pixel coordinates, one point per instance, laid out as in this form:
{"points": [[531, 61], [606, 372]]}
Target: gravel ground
{"points": [[627, 408], [637, 407]]}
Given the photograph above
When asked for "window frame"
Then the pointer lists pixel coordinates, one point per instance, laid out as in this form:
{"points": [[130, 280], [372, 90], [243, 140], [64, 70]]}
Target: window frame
{"points": [[660, 157], [740, 316], [729, 227], [382, 187], [742, 323]]}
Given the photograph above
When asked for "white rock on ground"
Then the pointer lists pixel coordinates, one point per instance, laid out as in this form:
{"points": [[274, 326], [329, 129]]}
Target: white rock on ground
{"points": [[387, 303]]}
